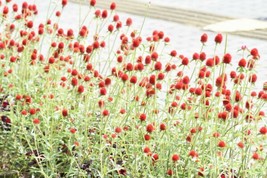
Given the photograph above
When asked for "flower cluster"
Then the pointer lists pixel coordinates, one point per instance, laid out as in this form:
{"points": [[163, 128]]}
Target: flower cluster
{"points": [[109, 102]]}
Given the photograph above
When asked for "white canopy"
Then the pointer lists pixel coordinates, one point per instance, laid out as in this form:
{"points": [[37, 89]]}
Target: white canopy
{"points": [[237, 25]]}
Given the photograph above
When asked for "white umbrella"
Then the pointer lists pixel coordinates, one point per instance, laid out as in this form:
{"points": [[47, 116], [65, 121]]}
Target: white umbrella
{"points": [[237, 25]]}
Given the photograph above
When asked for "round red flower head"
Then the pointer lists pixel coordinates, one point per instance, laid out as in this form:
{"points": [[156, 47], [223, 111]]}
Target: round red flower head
{"points": [[218, 38], [175, 157], [81, 89], [256, 156], [155, 157], [129, 22], [204, 38], [263, 130], [36, 121], [227, 58], [113, 6], [64, 112], [64, 2], [150, 128], [242, 62], [92, 2], [169, 172], [221, 144], [193, 153], [254, 52], [73, 130]]}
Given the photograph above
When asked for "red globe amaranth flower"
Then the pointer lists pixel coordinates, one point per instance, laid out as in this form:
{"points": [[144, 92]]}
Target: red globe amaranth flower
{"points": [[110, 99], [216, 134], [101, 84], [218, 38], [147, 137], [104, 14], [118, 25], [92, 2], [64, 112], [74, 81], [81, 89], [210, 62], [155, 156], [161, 35], [113, 135], [64, 2], [133, 79], [166, 39], [122, 111], [254, 52], [58, 13], [169, 172], [263, 130], [264, 96], [18, 97], [240, 145], [105, 112], [51, 60], [221, 144], [14, 7], [5, 10], [173, 53], [32, 111], [142, 117], [110, 28], [162, 127], [146, 149], [116, 18], [103, 91], [252, 78], [186, 80], [36, 121], [185, 61], [70, 33], [136, 42], [24, 112], [204, 38], [150, 128], [118, 130], [256, 156], [103, 44], [158, 65], [161, 76], [124, 77], [175, 157], [129, 22], [113, 6], [154, 56], [202, 56], [193, 130], [242, 63], [193, 153], [227, 58], [73, 130]]}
